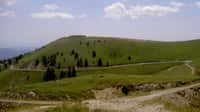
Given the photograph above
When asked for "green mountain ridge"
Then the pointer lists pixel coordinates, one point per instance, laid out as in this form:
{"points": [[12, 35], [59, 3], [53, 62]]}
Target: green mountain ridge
{"points": [[112, 51]]}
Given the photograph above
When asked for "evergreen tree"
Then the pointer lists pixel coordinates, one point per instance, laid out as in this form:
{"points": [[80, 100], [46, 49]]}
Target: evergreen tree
{"points": [[100, 63], [107, 64], [94, 54], [5, 65], [52, 60], [87, 44], [61, 54], [9, 62], [44, 61], [80, 63], [58, 66], [62, 74], [49, 74], [72, 52], [69, 72], [86, 63], [73, 72], [76, 56], [37, 62]]}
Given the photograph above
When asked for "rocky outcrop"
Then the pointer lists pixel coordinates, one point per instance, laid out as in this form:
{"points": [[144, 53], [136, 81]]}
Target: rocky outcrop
{"points": [[152, 86], [29, 95]]}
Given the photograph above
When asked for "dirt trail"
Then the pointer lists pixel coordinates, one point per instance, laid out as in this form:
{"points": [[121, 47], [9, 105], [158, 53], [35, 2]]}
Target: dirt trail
{"points": [[31, 102], [37, 108], [188, 64], [128, 103], [12, 67]]}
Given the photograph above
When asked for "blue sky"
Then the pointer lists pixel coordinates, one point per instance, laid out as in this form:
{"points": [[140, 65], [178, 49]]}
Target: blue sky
{"points": [[36, 22]]}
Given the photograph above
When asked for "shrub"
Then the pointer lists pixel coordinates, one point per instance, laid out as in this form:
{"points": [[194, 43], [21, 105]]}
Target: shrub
{"points": [[125, 90], [27, 77], [129, 58]]}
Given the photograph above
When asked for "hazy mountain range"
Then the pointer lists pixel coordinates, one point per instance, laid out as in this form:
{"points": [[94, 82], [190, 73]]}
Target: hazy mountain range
{"points": [[12, 52]]}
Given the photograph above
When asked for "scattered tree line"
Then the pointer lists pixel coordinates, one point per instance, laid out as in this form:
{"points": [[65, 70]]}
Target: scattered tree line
{"points": [[48, 61], [4, 64], [50, 74]]}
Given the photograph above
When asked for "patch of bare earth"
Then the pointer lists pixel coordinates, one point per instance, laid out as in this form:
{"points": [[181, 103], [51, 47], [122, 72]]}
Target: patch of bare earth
{"points": [[108, 93], [150, 108], [135, 104]]}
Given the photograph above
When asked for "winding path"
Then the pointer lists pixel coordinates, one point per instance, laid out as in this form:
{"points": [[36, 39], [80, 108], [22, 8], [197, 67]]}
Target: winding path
{"points": [[101, 68]]}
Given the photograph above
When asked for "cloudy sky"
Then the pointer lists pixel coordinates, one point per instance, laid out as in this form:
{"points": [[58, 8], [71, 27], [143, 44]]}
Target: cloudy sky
{"points": [[36, 22]]}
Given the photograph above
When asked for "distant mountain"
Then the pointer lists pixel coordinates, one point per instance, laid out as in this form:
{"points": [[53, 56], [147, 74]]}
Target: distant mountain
{"points": [[12, 52]]}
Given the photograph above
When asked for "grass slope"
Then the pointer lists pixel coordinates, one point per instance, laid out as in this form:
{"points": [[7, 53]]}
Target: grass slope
{"points": [[13, 78], [81, 86], [114, 50]]}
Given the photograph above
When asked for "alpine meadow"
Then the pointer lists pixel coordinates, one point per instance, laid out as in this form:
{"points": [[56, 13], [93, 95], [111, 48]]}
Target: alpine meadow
{"points": [[99, 56]]}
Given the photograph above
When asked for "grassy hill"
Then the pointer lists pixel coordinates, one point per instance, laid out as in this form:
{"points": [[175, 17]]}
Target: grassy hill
{"points": [[112, 51]]}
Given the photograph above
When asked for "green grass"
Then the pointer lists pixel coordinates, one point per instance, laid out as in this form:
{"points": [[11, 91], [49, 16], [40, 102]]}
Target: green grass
{"points": [[81, 86], [196, 63], [146, 69], [69, 108], [115, 50], [11, 79]]}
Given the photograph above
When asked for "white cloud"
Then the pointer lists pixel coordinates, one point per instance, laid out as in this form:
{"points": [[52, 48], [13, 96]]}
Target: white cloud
{"points": [[198, 4], [51, 7], [7, 13], [7, 2], [118, 10], [49, 15], [52, 11]]}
